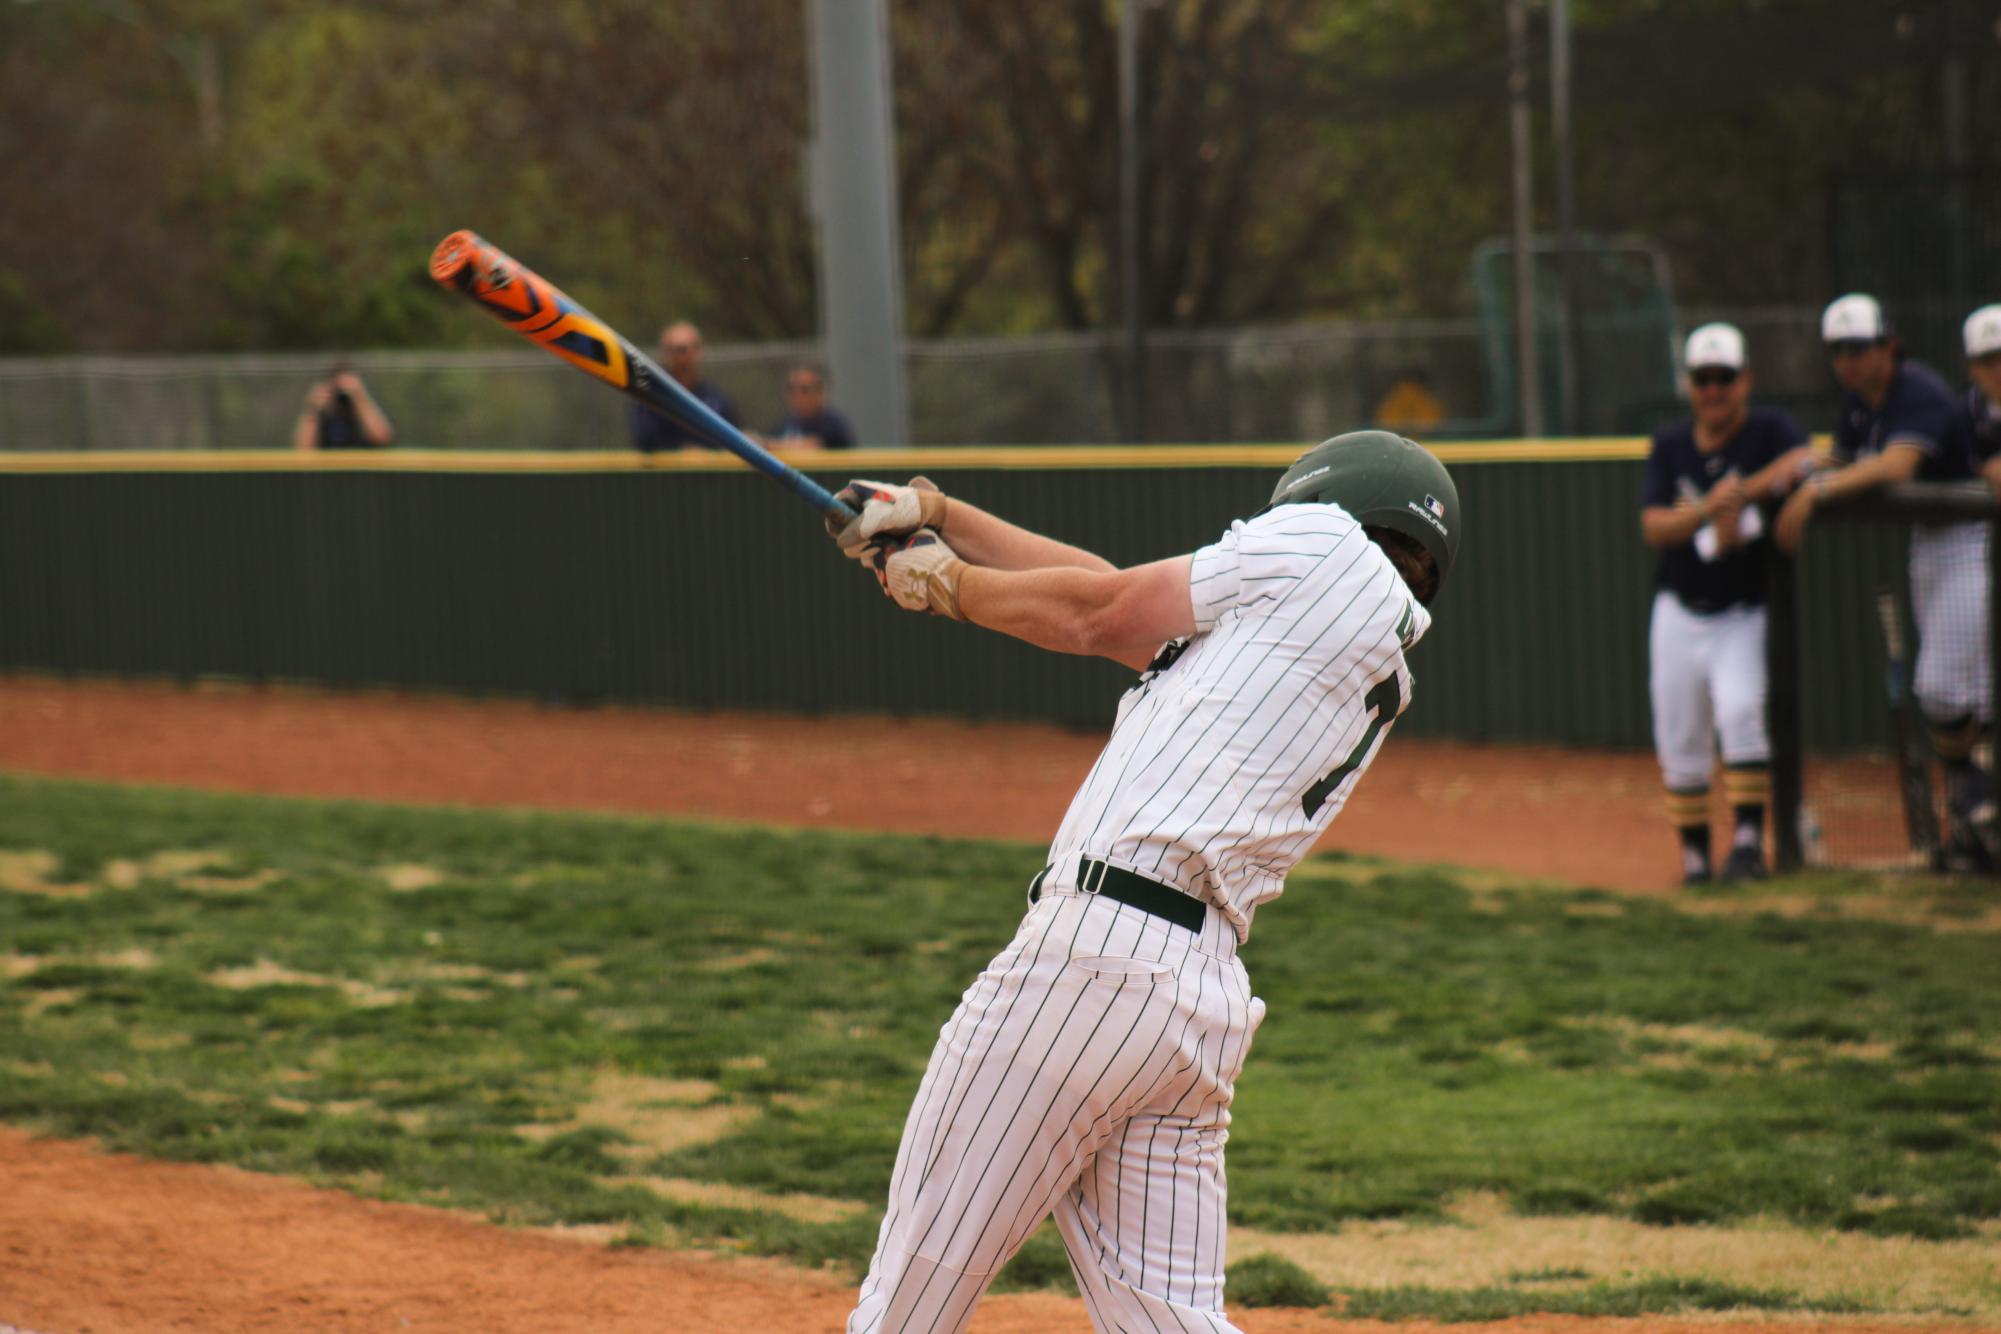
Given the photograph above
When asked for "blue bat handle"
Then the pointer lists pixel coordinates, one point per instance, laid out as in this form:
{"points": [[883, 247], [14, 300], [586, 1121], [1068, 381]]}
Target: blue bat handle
{"points": [[689, 411]]}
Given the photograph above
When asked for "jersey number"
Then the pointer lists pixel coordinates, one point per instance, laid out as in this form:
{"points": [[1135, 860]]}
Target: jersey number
{"points": [[1382, 702]]}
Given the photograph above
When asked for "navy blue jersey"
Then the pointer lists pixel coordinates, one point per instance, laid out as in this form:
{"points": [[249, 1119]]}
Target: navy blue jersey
{"points": [[1676, 467], [1984, 419], [652, 432], [830, 426], [1918, 409]]}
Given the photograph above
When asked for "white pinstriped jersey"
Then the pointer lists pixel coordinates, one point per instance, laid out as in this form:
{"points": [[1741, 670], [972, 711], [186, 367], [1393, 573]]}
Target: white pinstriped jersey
{"points": [[1229, 759]]}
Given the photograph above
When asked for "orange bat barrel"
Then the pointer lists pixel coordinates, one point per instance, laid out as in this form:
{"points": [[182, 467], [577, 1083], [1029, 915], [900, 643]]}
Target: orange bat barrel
{"points": [[536, 309]]}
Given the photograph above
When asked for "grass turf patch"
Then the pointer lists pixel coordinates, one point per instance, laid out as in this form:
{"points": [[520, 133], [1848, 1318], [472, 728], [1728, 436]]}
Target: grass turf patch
{"points": [[525, 1014]]}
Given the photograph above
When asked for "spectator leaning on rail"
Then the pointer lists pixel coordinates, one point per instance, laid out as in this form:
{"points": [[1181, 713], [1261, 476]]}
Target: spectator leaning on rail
{"points": [[339, 413], [1900, 422], [681, 354], [1706, 477]]}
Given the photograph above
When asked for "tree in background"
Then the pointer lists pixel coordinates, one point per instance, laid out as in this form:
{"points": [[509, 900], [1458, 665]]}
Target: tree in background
{"points": [[203, 174]]}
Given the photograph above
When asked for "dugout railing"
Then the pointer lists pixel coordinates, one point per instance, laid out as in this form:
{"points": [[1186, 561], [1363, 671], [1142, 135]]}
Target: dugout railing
{"points": [[1841, 711]]}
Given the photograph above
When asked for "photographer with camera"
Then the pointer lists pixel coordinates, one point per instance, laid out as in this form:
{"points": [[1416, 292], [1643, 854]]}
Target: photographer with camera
{"points": [[340, 414]]}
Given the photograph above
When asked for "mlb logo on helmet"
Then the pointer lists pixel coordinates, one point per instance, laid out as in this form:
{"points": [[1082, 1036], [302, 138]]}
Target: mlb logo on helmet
{"points": [[1432, 511]]}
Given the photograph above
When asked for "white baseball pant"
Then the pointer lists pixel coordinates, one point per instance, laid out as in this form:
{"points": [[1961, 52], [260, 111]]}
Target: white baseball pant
{"points": [[1707, 679], [1949, 602], [1087, 1072]]}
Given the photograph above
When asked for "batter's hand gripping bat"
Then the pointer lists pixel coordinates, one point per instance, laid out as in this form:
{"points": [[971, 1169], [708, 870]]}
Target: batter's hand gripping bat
{"points": [[1913, 772], [534, 308]]}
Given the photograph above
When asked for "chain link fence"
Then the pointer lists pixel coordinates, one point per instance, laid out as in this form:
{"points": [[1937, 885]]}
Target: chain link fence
{"points": [[1250, 385]]}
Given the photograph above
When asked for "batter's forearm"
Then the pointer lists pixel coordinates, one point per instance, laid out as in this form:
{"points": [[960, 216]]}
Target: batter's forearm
{"points": [[1055, 608], [984, 539], [1124, 615]]}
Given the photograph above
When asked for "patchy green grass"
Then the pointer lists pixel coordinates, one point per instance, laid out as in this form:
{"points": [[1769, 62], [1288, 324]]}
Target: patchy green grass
{"points": [[1655, 1296], [569, 1019]]}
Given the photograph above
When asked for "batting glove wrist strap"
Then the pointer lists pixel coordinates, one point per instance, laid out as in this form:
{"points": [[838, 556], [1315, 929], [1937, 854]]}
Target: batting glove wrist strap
{"points": [[923, 575]]}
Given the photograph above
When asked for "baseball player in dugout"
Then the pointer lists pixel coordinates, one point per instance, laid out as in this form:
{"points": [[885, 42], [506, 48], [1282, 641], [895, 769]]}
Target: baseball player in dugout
{"points": [[1088, 1072], [1983, 398], [1900, 422], [1708, 477]]}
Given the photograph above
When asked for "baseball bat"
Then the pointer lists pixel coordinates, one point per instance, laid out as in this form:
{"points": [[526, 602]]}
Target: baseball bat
{"points": [[1913, 775], [536, 309]]}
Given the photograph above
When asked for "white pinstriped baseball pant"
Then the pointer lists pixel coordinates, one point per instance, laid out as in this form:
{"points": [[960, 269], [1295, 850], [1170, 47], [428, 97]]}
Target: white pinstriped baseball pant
{"points": [[1949, 601], [1086, 1073], [1707, 677]]}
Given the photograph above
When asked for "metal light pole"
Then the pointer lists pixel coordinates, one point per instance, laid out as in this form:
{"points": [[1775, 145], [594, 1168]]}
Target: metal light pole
{"points": [[1527, 389], [854, 196], [1566, 212], [1133, 399]]}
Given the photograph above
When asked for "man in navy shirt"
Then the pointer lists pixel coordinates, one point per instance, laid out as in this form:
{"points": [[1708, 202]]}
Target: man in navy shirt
{"points": [[681, 354], [1900, 422], [1706, 478], [809, 423]]}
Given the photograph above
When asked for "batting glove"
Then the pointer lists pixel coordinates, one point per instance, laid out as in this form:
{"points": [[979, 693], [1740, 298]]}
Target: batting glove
{"points": [[883, 509], [919, 572]]}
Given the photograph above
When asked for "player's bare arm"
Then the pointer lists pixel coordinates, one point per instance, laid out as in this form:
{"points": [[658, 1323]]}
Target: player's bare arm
{"points": [[992, 542], [1124, 615], [1899, 462], [886, 511]]}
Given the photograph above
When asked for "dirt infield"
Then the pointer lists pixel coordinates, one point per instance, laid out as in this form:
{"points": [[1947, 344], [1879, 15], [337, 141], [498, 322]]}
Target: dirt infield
{"points": [[1579, 816], [90, 1241]]}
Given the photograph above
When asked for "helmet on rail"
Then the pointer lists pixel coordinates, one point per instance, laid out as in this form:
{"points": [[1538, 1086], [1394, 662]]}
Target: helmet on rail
{"points": [[1383, 481]]}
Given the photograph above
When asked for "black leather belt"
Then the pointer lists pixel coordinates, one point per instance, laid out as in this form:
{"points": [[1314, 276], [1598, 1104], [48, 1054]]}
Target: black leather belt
{"points": [[1131, 889]]}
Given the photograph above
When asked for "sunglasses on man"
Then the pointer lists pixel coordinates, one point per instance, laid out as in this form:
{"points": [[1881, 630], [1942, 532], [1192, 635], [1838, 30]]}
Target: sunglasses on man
{"points": [[1712, 377], [1850, 347]]}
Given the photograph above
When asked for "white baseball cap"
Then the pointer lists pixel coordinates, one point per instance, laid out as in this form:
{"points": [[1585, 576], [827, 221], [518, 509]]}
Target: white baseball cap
{"points": [[1983, 331], [1714, 345], [1853, 318]]}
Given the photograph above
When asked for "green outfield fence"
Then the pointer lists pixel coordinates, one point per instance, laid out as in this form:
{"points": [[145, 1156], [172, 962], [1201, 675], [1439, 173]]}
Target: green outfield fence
{"points": [[690, 581]]}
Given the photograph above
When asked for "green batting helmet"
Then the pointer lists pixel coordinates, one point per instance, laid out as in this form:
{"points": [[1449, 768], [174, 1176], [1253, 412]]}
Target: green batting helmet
{"points": [[1383, 481]]}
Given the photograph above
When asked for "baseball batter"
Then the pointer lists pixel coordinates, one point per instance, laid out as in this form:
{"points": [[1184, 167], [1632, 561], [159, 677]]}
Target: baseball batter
{"points": [[1900, 422], [1707, 476], [1088, 1072]]}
